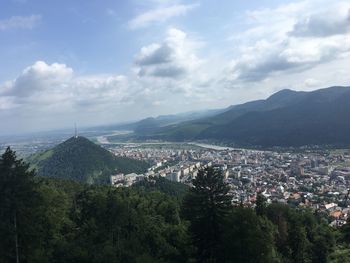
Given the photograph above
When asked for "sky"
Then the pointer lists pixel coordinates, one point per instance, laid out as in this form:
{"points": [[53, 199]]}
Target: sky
{"points": [[99, 62]]}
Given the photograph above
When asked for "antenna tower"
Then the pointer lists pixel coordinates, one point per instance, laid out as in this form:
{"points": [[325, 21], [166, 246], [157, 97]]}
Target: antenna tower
{"points": [[75, 130]]}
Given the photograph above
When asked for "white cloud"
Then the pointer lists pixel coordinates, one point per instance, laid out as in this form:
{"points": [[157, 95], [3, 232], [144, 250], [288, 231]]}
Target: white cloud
{"points": [[7, 102], [327, 23], [173, 58], [172, 72], [159, 14], [310, 82], [36, 78], [55, 87], [20, 22], [292, 37]]}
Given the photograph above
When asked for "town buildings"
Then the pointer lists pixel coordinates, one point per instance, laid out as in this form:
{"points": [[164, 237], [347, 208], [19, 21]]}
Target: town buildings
{"points": [[317, 180]]}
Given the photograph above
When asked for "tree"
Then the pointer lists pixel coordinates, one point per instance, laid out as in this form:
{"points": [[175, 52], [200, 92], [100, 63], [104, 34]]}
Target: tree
{"points": [[279, 215], [206, 207], [299, 243], [260, 208], [18, 200], [345, 230], [323, 244], [249, 238]]}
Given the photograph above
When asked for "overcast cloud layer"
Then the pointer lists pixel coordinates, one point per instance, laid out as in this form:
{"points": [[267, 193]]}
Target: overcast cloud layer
{"points": [[301, 45]]}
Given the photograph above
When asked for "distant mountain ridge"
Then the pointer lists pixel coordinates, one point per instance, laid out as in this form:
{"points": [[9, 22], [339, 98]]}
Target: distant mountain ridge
{"points": [[151, 124], [286, 118], [80, 159]]}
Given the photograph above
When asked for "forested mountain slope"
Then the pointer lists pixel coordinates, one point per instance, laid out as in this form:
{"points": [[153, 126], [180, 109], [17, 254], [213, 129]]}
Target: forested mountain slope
{"points": [[82, 160]]}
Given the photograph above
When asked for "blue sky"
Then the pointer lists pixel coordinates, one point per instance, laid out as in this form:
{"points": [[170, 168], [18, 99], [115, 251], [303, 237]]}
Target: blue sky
{"points": [[98, 62], [94, 37]]}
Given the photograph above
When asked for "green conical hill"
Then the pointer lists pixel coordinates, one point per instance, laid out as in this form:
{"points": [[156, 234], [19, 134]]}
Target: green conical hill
{"points": [[82, 160]]}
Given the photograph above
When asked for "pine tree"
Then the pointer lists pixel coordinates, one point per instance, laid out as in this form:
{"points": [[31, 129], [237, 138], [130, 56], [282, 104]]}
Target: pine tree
{"points": [[18, 199], [249, 238], [299, 243], [260, 207], [206, 207]]}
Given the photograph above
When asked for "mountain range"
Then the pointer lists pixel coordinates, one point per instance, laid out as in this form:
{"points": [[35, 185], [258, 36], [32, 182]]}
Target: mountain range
{"points": [[287, 118], [151, 124]]}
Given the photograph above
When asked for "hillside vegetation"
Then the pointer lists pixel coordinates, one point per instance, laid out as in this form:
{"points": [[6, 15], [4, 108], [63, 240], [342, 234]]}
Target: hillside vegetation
{"points": [[161, 184], [82, 160]]}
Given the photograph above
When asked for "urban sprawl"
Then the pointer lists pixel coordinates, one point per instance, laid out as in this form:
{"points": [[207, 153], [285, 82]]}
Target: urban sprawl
{"points": [[316, 180]]}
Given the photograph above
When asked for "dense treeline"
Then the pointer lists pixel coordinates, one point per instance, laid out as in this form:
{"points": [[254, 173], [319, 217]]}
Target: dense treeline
{"points": [[51, 220], [163, 185]]}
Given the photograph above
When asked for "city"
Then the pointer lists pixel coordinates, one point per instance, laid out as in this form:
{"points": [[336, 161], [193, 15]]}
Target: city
{"points": [[318, 180]]}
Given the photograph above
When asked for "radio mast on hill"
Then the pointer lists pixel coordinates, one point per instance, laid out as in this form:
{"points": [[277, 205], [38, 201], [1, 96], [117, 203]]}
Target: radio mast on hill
{"points": [[75, 130]]}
